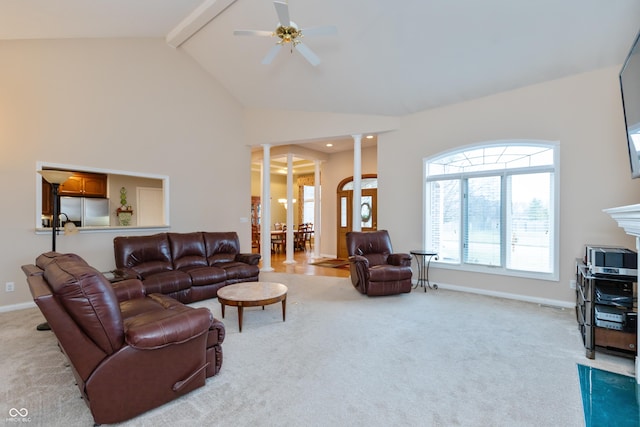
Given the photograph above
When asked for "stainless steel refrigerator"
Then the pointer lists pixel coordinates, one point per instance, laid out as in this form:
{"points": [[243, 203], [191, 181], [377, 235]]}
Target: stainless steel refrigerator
{"points": [[85, 211]]}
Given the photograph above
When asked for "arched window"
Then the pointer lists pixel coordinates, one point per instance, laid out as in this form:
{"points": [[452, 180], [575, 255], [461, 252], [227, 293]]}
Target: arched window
{"points": [[492, 207]]}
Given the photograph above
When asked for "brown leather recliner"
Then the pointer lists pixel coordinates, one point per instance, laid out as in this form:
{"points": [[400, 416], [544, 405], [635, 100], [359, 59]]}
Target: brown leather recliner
{"points": [[375, 269], [128, 351]]}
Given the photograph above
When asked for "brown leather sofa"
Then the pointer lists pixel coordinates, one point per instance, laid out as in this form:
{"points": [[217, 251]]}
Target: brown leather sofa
{"points": [[186, 266], [129, 352], [375, 269]]}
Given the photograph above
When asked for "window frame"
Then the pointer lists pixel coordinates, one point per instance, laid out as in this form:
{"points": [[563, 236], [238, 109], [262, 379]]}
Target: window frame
{"points": [[554, 169]]}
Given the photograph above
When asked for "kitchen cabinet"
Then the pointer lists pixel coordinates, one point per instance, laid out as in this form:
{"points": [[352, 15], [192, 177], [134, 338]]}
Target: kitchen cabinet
{"points": [[47, 198], [81, 184], [85, 185]]}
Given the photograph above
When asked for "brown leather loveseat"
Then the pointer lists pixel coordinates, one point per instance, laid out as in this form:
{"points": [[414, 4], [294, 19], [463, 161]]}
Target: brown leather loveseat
{"points": [[186, 266], [129, 352]]}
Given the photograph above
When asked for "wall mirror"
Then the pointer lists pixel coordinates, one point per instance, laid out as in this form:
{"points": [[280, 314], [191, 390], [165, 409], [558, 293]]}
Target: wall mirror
{"points": [[94, 199]]}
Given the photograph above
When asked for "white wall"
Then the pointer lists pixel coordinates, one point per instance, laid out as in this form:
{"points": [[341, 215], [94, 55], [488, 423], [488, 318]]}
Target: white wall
{"points": [[582, 112], [126, 104]]}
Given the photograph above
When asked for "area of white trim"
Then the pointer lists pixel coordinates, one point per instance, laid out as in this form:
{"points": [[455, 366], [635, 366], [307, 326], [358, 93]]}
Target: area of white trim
{"points": [[113, 229], [506, 295], [16, 307], [193, 23]]}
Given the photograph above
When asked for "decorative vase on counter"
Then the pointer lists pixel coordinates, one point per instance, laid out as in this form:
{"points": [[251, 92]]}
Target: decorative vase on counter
{"points": [[124, 212], [124, 215]]}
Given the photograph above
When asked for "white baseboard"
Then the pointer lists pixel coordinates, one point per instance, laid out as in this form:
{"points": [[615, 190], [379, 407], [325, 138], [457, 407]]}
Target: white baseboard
{"points": [[15, 307], [536, 300]]}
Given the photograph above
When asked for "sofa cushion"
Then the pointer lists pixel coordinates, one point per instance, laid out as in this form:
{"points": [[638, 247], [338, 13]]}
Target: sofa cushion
{"points": [[146, 255], [376, 259], [89, 299], [165, 322], [221, 246], [187, 250], [373, 245], [238, 270], [201, 276], [166, 282], [387, 273]]}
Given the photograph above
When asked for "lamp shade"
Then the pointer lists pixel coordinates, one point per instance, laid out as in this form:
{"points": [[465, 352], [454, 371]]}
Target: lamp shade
{"points": [[55, 176], [70, 228]]}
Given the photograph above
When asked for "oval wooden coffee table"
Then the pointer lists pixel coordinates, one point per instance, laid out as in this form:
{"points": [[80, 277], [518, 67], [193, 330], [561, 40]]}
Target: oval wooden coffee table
{"points": [[252, 294]]}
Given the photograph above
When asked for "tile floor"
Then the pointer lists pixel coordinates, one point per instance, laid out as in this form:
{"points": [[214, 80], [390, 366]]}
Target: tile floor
{"points": [[609, 399]]}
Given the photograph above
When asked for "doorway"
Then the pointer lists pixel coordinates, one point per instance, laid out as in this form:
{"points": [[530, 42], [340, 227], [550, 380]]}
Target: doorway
{"points": [[368, 209]]}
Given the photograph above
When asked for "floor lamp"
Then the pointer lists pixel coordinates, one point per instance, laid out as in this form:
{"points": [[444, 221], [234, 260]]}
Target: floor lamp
{"points": [[55, 178]]}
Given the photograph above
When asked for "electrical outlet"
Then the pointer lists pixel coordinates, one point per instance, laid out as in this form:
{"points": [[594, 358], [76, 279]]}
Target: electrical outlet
{"points": [[9, 287], [572, 284]]}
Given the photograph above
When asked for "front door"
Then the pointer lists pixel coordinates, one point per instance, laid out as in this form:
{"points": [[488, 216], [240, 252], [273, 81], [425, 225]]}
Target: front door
{"points": [[368, 213]]}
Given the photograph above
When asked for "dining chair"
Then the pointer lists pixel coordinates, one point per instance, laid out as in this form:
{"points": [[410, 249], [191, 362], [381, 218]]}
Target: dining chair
{"points": [[299, 238]]}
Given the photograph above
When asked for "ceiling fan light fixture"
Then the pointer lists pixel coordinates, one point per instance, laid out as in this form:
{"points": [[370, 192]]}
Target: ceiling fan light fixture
{"points": [[288, 32]]}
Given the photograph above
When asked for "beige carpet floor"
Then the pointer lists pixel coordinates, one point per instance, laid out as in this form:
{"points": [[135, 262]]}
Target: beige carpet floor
{"points": [[439, 358]]}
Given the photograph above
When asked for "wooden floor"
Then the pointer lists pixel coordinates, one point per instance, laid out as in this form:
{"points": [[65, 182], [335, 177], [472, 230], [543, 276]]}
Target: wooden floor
{"points": [[302, 265]]}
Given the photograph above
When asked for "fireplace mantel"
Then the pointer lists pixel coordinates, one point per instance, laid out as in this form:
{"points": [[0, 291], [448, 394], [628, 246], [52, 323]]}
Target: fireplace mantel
{"points": [[628, 218]]}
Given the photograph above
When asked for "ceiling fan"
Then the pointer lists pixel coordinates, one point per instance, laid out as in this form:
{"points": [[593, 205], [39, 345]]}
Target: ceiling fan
{"points": [[289, 33]]}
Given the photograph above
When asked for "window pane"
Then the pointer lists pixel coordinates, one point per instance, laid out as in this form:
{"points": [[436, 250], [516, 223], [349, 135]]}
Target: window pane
{"points": [[530, 222], [364, 183], [343, 212], [308, 209], [493, 208], [491, 158], [483, 226], [365, 212], [443, 222]]}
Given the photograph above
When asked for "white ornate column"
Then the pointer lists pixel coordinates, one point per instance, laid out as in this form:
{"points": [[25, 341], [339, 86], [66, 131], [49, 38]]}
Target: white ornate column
{"points": [[316, 208], [357, 183], [289, 206], [628, 218], [265, 215]]}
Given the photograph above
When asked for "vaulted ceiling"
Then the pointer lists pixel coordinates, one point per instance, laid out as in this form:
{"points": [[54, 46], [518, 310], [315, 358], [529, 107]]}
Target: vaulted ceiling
{"points": [[387, 58]]}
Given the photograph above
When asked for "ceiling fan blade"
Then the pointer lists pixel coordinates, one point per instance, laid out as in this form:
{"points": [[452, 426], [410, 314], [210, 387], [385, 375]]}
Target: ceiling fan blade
{"points": [[253, 33], [272, 54], [308, 54], [282, 9], [320, 31]]}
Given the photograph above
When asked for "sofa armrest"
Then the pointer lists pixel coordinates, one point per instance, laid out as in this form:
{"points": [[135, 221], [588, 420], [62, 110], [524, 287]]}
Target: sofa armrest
{"points": [[359, 259], [359, 272], [251, 259], [399, 259], [162, 328], [128, 289], [32, 270]]}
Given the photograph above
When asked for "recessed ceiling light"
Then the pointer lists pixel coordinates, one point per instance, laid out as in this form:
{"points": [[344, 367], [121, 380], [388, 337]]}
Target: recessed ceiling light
{"points": [[329, 145]]}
